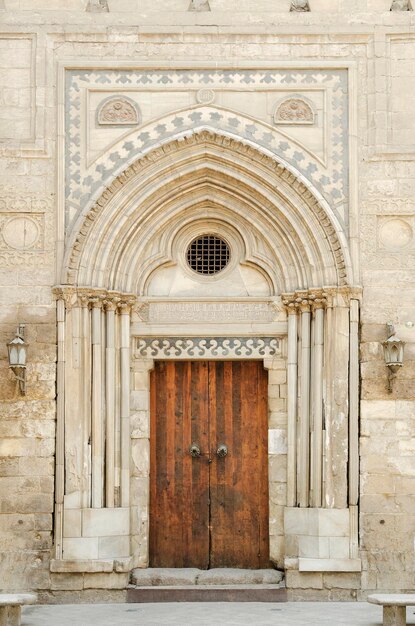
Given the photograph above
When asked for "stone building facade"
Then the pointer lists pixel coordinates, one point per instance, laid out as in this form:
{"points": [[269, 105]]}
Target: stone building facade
{"points": [[129, 131]]}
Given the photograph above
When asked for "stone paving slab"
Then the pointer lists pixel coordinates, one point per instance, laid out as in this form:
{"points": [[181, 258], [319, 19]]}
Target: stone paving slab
{"points": [[212, 614]]}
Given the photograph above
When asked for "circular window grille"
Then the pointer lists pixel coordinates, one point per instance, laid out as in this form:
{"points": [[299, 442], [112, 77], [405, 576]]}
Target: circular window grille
{"points": [[208, 255]]}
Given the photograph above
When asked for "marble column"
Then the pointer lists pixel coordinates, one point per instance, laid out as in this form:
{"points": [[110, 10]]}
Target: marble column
{"points": [[97, 408], [292, 376], [303, 476]]}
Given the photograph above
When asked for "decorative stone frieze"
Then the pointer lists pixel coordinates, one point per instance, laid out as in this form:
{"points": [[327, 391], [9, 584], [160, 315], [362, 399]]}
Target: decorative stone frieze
{"points": [[294, 111], [118, 110], [211, 347], [401, 5], [300, 5]]}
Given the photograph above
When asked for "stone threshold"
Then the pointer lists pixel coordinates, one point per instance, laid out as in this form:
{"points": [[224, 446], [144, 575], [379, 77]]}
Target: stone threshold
{"points": [[171, 577]]}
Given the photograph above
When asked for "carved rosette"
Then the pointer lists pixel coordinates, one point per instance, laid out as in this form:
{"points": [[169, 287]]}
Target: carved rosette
{"points": [[118, 111], [294, 110]]}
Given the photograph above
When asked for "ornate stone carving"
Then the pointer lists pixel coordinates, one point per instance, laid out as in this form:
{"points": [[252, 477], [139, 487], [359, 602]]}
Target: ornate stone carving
{"points": [[299, 5], [294, 110], [213, 347], [205, 96], [97, 6], [21, 231], [118, 110], [305, 300], [90, 297], [396, 233], [401, 5], [199, 5]]}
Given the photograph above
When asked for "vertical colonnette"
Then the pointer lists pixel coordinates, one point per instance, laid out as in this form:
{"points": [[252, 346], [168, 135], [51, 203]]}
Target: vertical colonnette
{"points": [[93, 432], [323, 373]]}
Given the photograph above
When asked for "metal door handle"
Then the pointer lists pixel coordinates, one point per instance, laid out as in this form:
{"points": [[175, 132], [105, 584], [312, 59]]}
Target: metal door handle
{"points": [[222, 451], [195, 451]]}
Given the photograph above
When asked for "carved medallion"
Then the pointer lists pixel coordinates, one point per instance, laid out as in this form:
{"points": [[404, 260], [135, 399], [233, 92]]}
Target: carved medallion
{"points": [[21, 233], [205, 96], [395, 234], [118, 110], [294, 111]]}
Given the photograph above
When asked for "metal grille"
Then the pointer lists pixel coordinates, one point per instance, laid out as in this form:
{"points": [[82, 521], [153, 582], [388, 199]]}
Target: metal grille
{"points": [[208, 255]]}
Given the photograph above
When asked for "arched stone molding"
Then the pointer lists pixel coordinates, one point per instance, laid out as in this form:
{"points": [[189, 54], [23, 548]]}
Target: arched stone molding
{"points": [[236, 180], [328, 181]]}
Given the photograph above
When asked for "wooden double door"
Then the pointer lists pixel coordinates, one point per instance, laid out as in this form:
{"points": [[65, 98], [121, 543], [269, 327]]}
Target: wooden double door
{"points": [[209, 465]]}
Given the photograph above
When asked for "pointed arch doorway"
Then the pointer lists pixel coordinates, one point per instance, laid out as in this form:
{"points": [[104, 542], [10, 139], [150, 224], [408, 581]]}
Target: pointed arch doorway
{"points": [[208, 465]]}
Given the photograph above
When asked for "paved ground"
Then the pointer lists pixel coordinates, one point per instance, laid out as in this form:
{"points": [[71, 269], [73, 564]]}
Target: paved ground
{"points": [[208, 614]]}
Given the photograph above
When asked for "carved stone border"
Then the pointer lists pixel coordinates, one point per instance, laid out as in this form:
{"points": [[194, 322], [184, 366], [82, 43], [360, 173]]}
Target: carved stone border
{"points": [[207, 348]]}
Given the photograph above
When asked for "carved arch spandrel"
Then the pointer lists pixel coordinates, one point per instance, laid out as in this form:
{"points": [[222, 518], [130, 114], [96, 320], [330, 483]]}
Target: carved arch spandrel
{"points": [[262, 174]]}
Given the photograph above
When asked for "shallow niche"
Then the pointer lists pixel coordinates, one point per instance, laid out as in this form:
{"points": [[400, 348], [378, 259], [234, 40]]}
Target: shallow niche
{"points": [[118, 111]]}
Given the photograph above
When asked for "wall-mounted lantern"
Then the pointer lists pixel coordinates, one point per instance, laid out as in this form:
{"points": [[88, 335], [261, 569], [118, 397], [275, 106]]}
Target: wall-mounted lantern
{"points": [[17, 349], [393, 349]]}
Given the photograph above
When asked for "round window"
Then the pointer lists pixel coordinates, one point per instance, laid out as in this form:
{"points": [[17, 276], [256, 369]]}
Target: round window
{"points": [[208, 255]]}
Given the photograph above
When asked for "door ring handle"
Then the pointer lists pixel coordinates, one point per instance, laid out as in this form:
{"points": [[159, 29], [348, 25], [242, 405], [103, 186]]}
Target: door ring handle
{"points": [[195, 451], [222, 451]]}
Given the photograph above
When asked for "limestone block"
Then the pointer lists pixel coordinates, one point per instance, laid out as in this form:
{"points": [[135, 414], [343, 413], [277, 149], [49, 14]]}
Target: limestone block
{"points": [[342, 581], [105, 581], [70, 581], [140, 425], [106, 522], [329, 565], [80, 566], [299, 521], [277, 441], [277, 468], [72, 526], [80, 548], [339, 547], [140, 452], [140, 400], [113, 547], [313, 547], [17, 447], [333, 522], [297, 580]]}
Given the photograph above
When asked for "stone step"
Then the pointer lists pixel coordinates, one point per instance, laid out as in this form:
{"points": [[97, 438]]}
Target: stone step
{"points": [[207, 593], [170, 577]]}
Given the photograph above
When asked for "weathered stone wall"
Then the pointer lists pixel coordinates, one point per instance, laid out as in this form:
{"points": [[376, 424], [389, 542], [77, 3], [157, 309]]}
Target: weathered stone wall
{"points": [[379, 48]]}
